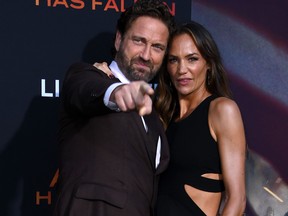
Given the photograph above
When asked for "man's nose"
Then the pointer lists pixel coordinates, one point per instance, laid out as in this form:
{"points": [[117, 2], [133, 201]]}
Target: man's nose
{"points": [[146, 53]]}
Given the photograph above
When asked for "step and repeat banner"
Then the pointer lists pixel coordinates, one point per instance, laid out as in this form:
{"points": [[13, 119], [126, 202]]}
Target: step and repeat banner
{"points": [[40, 39], [253, 39]]}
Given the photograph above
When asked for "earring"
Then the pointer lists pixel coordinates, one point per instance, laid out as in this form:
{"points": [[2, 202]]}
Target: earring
{"points": [[208, 77]]}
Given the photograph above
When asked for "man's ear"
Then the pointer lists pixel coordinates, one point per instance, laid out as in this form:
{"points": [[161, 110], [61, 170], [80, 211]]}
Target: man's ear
{"points": [[118, 40]]}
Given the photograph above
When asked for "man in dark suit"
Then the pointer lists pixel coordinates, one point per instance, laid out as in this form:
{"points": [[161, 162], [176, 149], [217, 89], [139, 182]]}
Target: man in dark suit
{"points": [[112, 144]]}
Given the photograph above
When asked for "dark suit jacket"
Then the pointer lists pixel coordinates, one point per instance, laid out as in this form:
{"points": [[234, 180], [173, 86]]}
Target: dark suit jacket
{"points": [[107, 159]]}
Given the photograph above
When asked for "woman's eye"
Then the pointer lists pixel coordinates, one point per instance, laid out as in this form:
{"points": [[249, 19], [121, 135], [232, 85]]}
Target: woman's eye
{"points": [[172, 60], [192, 59]]}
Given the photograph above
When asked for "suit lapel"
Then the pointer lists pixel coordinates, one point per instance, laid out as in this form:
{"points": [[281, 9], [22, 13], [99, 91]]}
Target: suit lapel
{"points": [[148, 138], [153, 136], [151, 139], [156, 131]]}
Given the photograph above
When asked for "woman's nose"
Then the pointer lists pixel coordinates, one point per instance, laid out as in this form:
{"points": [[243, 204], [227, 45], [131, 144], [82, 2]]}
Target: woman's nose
{"points": [[182, 68]]}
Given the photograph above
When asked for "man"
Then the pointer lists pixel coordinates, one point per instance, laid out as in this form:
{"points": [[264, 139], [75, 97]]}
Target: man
{"points": [[112, 145]]}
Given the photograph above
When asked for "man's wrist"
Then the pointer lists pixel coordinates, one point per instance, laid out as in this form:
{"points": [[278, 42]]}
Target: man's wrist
{"points": [[111, 105]]}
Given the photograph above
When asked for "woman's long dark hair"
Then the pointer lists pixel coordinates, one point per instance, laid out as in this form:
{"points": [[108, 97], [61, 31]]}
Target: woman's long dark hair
{"points": [[166, 100]]}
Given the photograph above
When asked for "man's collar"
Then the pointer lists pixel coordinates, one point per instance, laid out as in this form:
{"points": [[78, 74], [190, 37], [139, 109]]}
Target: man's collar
{"points": [[117, 72]]}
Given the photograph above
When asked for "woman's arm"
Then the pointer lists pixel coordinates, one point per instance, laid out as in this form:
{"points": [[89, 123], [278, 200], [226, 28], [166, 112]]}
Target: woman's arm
{"points": [[227, 128]]}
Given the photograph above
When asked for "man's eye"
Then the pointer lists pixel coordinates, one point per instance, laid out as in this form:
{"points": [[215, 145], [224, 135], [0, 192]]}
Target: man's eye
{"points": [[137, 41], [158, 47]]}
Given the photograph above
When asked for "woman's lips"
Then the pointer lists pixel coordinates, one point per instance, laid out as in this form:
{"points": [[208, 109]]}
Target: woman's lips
{"points": [[183, 81]]}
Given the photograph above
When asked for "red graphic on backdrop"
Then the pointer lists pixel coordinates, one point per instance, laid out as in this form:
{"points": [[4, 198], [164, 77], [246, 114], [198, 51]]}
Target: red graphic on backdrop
{"points": [[47, 197], [116, 6]]}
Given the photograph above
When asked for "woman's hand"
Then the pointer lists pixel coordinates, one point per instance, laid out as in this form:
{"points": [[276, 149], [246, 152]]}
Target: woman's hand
{"points": [[104, 67]]}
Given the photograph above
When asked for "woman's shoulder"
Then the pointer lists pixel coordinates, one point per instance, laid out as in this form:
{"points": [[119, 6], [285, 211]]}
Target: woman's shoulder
{"points": [[223, 106], [224, 115]]}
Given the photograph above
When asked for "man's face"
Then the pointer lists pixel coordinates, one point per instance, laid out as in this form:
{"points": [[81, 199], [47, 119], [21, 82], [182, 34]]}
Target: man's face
{"points": [[141, 50]]}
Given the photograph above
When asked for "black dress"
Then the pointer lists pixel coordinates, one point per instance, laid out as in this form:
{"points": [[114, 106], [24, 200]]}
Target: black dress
{"points": [[193, 152]]}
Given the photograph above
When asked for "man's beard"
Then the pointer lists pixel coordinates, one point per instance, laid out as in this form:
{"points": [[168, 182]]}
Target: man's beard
{"points": [[131, 72]]}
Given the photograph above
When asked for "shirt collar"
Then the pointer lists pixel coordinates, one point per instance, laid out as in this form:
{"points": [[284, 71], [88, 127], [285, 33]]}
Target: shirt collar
{"points": [[117, 72]]}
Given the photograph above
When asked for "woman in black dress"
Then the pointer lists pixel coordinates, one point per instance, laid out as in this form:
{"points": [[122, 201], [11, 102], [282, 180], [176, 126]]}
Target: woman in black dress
{"points": [[204, 129]]}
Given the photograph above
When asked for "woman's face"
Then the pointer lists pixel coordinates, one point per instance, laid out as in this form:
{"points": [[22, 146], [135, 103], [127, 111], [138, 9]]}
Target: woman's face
{"points": [[186, 66]]}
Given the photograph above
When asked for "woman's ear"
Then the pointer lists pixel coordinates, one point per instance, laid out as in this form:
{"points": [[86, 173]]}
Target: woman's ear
{"points": [[208, 76]]}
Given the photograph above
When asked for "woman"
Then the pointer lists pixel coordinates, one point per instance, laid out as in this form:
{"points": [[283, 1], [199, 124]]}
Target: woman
{"points": [[204, 129]]}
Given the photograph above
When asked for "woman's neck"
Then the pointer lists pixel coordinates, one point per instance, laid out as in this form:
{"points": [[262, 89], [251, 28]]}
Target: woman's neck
{"points": [[189, 103]]}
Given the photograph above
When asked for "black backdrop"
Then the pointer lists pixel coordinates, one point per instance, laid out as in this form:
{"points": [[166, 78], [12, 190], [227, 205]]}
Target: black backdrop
{"points": [[39, 40]]}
